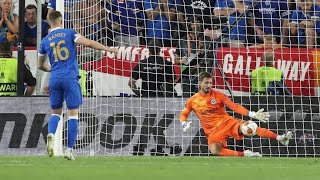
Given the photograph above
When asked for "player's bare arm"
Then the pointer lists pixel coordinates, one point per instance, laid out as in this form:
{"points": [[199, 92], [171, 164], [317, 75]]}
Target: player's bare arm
{"points": [[42, 64], [93, 44]]}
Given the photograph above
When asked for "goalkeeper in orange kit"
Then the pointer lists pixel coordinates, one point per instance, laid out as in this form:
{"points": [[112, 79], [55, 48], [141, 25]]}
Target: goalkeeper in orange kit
{"points": [[218, 126]]}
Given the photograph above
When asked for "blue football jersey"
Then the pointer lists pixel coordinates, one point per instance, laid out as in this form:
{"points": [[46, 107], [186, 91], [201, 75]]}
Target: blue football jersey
{"points": [[159, 27], [31, 33], [239, 31], [125, 13], [52, 4], [313, 15], [269, 13], [61, 49]]}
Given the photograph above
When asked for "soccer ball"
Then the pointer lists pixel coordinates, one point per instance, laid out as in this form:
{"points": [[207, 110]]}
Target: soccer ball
{"points": [[249, 128]]}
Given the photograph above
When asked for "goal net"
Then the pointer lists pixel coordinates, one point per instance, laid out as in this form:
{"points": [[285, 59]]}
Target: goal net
{"points": [[228, 38]]}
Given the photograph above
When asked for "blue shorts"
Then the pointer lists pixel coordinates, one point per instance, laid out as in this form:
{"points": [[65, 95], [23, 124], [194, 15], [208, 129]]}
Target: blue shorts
{"points": [[65, 89]]}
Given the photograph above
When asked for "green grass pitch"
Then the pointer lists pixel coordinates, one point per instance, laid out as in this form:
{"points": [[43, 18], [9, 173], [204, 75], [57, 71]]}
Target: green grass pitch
{"points": [[158, 168]]}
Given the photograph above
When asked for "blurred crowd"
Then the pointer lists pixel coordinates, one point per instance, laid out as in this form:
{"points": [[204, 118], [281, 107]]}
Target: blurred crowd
{"points": [[179, 22], [176, 23], [192, 27]]}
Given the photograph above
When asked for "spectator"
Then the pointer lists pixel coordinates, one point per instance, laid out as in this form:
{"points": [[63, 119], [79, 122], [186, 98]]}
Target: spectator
{"points": [[267, 79], [199, 9], [44, 8], [106, 23], [192, 54], [127, 19], [8, 73], [9, 22], [292, 5], [232, 10], [194, 42], [156, 74], [52, 5], [31, 26], [158, 21], [305, 23], [202, 10], [89, 18], [271, 17]]}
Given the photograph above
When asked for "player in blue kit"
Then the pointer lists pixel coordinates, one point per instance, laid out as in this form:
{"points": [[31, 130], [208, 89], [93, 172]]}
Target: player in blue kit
{"points": [[271, 17], [60, 46]]}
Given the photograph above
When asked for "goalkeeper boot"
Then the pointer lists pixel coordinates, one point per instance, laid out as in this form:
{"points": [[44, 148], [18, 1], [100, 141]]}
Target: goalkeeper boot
{"points": [[68, 155], [249, 153], [50, 145], [285, 138]]}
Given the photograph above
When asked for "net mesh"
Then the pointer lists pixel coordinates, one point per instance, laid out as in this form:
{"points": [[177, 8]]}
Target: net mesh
{"points": [[132, 106]]}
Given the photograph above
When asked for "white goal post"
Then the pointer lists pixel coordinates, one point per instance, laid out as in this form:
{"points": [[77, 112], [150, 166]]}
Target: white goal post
{"points": [[58, 141]]}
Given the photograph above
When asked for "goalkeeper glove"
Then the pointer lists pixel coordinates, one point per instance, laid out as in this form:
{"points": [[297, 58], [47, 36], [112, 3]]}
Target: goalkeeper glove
{"points": [[260, 115], [185, 125]]}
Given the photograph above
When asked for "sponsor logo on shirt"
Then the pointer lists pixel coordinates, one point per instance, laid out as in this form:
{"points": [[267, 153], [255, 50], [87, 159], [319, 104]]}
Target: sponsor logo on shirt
{"points": [[209, 111], [267, 10], [199, 5], [213, 101]]}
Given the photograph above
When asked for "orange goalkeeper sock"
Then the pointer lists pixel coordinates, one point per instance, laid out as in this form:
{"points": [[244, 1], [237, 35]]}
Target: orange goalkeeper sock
{"points": [[265, 133], [228, 152]]}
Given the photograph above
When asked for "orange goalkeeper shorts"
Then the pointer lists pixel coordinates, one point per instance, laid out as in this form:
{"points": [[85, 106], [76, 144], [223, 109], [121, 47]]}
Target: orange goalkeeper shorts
{"points": [[229, 129]]}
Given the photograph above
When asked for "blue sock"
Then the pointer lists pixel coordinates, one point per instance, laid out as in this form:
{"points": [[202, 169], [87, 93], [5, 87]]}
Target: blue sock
{"points": [[72, 130], [53, 123]]}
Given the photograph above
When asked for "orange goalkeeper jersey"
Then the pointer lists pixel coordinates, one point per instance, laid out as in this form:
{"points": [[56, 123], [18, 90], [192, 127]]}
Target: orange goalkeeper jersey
{"points": [[210, 109]]}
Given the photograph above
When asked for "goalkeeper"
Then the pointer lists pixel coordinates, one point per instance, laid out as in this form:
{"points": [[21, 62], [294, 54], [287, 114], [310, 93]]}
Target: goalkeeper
{"points": [[218, 125]]}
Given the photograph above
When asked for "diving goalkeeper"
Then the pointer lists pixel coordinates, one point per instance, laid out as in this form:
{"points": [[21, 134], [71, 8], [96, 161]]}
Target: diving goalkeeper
{"points": [[218, 125]]}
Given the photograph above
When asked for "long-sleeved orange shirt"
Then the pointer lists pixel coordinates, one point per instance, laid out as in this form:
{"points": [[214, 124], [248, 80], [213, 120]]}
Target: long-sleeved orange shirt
{"points": [[210, 109]]}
